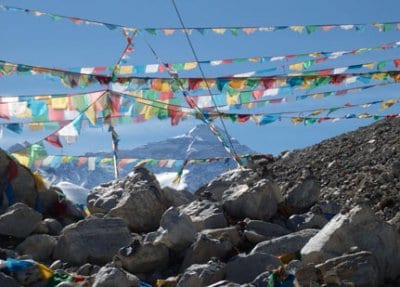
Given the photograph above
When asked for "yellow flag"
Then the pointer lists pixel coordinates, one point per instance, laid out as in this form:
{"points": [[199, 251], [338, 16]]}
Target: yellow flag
{"points": [[387, 104], [165, 87], [190, 65], [124, 70], [379, 76], [296, 67], [45, 271], [232, 99], [59, 103], [297, 120], [91, 114], [369, 65], [36, 126], [22, 159], [220, 31], [317, 112], [237, 83], [39, 181], [297, 28]]}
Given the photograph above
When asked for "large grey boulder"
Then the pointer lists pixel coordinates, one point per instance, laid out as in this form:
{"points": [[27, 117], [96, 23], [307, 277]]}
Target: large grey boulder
{"points": [[362, 228], [19, 220], [137, 198], [257, 230], [204, 248], [307, 220], [286, 244], [359, 268], [143, 258], [231, 233], [177, 198], [205, 214], [94, 240], [199, 275], [39, 246], [259, 201], [177, 231], [217, 186], [245, 268], [303, 195], [110, 276]]}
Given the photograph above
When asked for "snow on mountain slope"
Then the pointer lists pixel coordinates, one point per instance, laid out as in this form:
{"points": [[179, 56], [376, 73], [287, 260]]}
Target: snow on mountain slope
{"points": [[198, 143]]}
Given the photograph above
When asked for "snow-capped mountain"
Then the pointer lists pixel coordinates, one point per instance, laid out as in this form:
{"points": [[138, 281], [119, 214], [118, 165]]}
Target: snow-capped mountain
{"points": [[198, 143]]}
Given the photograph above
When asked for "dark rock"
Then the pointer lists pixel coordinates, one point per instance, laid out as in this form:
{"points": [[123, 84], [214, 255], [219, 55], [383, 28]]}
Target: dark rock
{"points": [[177, 231], [94, 240], [143, 258], [39, 246], [19, 220], [245, 268], [137, 198], [199, 275], [286, 244], [204, 248], [259, 201], [109, 276], [205, 214]]}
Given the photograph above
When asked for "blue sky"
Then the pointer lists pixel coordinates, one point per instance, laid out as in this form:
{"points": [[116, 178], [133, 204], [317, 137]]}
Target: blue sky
{"points": [[40, 41]]}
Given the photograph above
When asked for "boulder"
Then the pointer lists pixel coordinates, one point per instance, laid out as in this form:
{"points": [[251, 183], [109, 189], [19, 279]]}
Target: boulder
{"points": [[53, 225], [88, 269], [8, 281], [177, 231], [205, 214], [204, 248], [217, 186], [199, 275], [259, 201], [176, 198], [94, 240], [303, 195], [359, 268], [231, 233], [39, 246], [245, 268], [143, 258], [287, 244], [257, 230], [306, 221], [138, 199], [28, 276], [308, 275], [110, 276], [362, 228], [19, 220], [261, 280]]}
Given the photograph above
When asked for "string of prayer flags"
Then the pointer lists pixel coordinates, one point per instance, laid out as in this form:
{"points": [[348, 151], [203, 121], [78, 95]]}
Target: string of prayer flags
{"points": [[318, 57], [42, 159], [301, 66], [234, 31], [309, 80]]}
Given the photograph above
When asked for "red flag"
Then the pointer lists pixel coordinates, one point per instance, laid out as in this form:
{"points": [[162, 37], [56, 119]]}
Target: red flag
{"points": [[54, 140], [396, 62]]}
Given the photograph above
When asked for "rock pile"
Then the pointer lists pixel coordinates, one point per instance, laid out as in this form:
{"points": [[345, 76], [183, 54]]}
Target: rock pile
{"points": [[362, 166], [247, 227]]}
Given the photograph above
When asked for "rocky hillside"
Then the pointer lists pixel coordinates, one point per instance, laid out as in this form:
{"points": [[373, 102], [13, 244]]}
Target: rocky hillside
{"points": [[362, 166], [239, 230]]}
